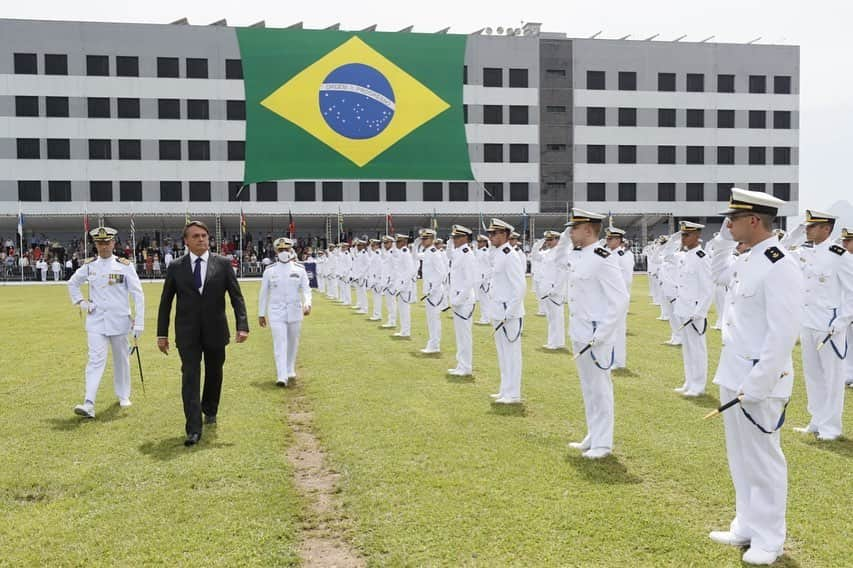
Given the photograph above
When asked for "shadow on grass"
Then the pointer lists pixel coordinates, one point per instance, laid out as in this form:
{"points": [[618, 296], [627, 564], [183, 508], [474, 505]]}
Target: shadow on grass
{"points": [[514, 410], [269, 385], [842, 446], [607, 470], [624, 373], [560, 351], [703, 400], [401, 338], [171, 448], [784, 561], [114, 412], [419, 355], [457, 380]]}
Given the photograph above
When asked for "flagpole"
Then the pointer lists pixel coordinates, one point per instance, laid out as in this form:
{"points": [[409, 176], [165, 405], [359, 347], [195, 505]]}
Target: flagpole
{"points": [[242, 253], [85, 232], [21, 239], [387, 212], [133, 241]]}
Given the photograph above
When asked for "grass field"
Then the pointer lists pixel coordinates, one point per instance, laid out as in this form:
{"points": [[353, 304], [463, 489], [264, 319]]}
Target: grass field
{"points": [[432, 473]]}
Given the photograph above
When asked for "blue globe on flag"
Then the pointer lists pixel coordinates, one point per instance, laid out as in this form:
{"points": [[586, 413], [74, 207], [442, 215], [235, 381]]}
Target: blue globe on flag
{"points": [[356, 101]]}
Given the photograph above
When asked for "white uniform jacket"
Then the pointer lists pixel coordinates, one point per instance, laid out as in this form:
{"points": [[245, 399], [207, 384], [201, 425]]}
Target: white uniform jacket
{"points": [[284, 292], [694, 286], [110, 281], [507, 285]]}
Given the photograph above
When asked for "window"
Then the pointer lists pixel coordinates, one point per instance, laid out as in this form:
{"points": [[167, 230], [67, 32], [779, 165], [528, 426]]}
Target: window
{"points": [[168, 108], [695, 192], [493, 153], [127, 66], [235, 193], [58, 149], [493, 114], [757, 156], [695, 155], [200, 190], [305, 191], [782, 156], [198, 150], [29, 190], [757, 187], [99, 66], [198, 109], [55, 64], [782, 84], [234, 70], [28, 149], [757, 84], [99, 107], [781, 119], [458, 191], [666, 192], [59, 191], [725, 119], [56, 106], [518, 114], [235, 110], [464, 74], [595, 191], [493, 191], [237, 150], [757, 119], [726, 155], [170, 149], [368, 191], [171, 191], [596, 154], [395, 191], [555, 147], [555, 108], [724, 191], [130, 191], [167, 67], [519, 191], [518, 78], [433, 191], [695, 83], [666, 81], [26, 106], [782, 191], [493, 77], [26, 64], [627, 117], [100, 191], [666, 117], [100, 149], [197, 69], [519, 153], [666, 154], [627, 192], [695, 118], [596, 116], [595, 80], [627, 154], [128, 108], [627, 81], [333, 191], [725, 83], [555, 73], [464, 114], [266, 191]]}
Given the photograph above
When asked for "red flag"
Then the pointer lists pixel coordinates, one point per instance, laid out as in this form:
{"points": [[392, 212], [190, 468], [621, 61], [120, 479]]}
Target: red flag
{"points": [[292, 226], [391, 224], [86, 222]]}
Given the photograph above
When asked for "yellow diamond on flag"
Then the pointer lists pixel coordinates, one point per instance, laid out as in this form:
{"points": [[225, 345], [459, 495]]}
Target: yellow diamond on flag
{"points": [[355, 101]]}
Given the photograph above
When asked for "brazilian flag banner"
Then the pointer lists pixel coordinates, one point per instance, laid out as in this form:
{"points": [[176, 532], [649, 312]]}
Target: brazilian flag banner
{"points": [[353, 105]]}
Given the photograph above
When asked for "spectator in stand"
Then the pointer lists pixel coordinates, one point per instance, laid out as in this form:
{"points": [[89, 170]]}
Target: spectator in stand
{"points": [[69, 268], [149, 264], [156, 265], [41, 266], [56, 268], [167, 260]]}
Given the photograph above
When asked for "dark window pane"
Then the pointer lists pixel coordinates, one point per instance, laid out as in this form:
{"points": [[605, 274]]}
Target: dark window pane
{"points": [[595, 80], [519, 153], [666, 117], [198, 149], [695, 117], [627, 81], [235, 193], [519, 191], [627, 192], [782, 191], [782, 84], [757, 119], [458, 191], [234, 70], [100, 149], [235, 110], [395, 191], [26, 106], [28, 149], [237, 150], [29, 190], [99, 107], [127, 66], [666, 192], [55, 64], [726, 155], [128, 108], [757, 84], [56, 106], [199, 191], [555, 147], [464, 74], [368, 191], [98, 65], [493, 153], [58, 149], [757, 187], [695, 155], [725, 83], [518, 114], [724, 191], [555, 108], [595, 192], [333, 191], [196, 69], [170, 149], [130, 190], [167, 67], [493, 191], [198, 109], [555, 73], [627, 117], [666, 154], [493, 114], [781, 156], [432, 191], [59, 191], [267, 191], [666, 81], [627, 154], [26, 64], [305, 191], [695, 192], [518, 77], [168, 108], [493, 77], [781, 119], [757, 155], [100, 191], [725, 119], [595, 154], [171, 191], [596, 116], [695, 82]]}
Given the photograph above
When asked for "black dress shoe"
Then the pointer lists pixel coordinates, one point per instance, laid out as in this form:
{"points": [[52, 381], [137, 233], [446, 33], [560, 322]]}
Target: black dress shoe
{"points": [[210, 419], [192, 439]]}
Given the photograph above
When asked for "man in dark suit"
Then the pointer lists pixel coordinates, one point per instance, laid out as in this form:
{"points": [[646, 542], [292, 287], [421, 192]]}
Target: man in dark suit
{"points": [[200, 280]]}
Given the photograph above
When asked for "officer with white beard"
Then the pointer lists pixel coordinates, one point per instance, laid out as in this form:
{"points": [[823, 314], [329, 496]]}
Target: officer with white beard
{"points": [[484, 270], [828, 312], [760, 329], [405, 272], [109, 321], [615, 240], [464, 275], [598, 301], [388, 283], [284, 299], [694, 292], [433, 271], [552, 288]]}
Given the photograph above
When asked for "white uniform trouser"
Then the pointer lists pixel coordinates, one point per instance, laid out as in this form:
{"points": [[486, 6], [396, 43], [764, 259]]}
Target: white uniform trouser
{"points": [[759, 471], [597, 389], [56, 275], [556, 315], [44, 275], [321, 284], [483, 300], [719, 303], [694, 353], [667, 309], [377, 304], [346, 293], [508, 346], [433, 320], [404, 312], [848, 362], [391, 302], [463, 322], [332, 288], [361, 298], [541, 308], [98, 346], [824, 372], [285, 342]]}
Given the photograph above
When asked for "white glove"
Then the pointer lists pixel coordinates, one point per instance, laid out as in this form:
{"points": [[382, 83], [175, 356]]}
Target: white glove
{"points": [[137, 331], [749, 399], [725, 232], [87, 306]]}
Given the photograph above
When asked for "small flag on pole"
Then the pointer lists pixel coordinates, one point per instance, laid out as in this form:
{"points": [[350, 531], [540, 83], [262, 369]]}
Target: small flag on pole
{"points": [[132, 227], [390, 224], [186, 217], [242, 222], [291, 227], [21, 223], [86, 222]]}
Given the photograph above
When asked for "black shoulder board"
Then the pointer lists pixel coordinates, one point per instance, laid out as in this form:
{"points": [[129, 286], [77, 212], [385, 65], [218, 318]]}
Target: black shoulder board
{"points": [[620, 252], [837, 249], [578, 248], [432, 249], [700, 253], [507, 250], [773, 254], [465, 249], [405, 250], [601, 252]]}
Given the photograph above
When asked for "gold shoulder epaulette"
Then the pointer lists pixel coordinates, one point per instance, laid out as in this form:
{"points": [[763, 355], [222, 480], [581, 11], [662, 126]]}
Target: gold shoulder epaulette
{"points": [[124, 261], [88, 260]]}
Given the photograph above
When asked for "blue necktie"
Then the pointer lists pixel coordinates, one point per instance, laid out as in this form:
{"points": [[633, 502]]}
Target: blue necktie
{"points": [[197, 274]]}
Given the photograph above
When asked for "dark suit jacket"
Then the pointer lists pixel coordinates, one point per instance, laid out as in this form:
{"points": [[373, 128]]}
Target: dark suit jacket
{"points": [[200, 318]]}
